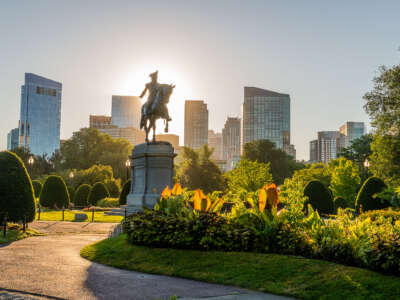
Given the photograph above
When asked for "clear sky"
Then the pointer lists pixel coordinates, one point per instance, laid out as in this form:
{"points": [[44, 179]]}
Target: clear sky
{"points": [[323, 53]]}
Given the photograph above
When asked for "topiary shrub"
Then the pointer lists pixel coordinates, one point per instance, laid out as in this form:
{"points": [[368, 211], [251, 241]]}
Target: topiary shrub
{"points": [[98, 192], [113, 187], [339, 202], [124, 193], [37, 187], [81, 195], [16, 191], [366, 197], [319, 197], [108, 202], [54, 193]]}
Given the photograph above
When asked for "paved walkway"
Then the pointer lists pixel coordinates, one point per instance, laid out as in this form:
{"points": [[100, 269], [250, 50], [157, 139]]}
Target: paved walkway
{"points": [[50, 267]]}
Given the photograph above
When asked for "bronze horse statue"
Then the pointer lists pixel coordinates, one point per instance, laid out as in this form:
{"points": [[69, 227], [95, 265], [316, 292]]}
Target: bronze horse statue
{"points": [[156, 105]]}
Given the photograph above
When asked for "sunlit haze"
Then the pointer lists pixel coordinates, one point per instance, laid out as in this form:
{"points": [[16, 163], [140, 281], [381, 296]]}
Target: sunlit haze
{"points": [[323, 54]]}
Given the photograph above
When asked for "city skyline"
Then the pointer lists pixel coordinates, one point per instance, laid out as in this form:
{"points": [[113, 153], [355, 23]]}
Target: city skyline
{"points": [[110, 49]]}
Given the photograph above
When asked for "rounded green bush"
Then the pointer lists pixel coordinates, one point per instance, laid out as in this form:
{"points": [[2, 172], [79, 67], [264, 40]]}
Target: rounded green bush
{"points": [[108, 202], [113, 187], [340, 202], [366, 197], [37, 187], [98, 192], [54, 193], [16, 191], [81, 195], [319, 197], [124, 193]]}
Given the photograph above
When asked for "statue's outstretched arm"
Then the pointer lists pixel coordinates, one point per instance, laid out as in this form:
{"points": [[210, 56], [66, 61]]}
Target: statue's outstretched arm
{"points": [[143, 93]]}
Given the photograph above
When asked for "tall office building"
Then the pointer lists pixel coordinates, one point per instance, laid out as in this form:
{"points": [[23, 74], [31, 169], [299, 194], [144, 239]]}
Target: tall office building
{"points": [[215, 142], [40, 115], [196, 124], [314, 151], [352, 131], [99, 121], [231, 142], [328, 145], [12, 139], [265, 115], [132, 135], [126, 111]]}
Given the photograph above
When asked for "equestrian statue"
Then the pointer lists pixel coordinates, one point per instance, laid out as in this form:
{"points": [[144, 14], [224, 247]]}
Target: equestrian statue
{"points": [[156, 105]]}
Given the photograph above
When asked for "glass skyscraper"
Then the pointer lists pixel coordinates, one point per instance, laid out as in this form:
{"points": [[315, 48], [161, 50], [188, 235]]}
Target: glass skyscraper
{"points": [[196, 124], [126, 111], [12, 139], [265, 116], [40, 115]]}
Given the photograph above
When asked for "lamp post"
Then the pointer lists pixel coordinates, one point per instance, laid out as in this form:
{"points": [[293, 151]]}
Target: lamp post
{"points": [[128, 166], [31, 161], [366, 166], [71, 175]]}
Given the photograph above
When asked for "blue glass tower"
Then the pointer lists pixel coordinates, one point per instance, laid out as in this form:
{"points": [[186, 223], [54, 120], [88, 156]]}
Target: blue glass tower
{"points": [[40, 116]]}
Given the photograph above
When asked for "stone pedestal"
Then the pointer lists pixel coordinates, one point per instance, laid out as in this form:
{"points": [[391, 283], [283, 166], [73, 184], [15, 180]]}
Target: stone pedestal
{"points": [[152, 170]]}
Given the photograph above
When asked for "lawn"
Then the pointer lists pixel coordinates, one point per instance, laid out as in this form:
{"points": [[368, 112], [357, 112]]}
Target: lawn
{"points": [[15, 233], [278, 274], [69, 215]]}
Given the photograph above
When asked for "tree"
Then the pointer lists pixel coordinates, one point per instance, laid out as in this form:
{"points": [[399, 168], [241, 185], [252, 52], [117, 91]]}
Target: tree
{"points": [[40, 166], [81, 195], [98, 192], [89, 147], [248, 176], [383, 107], [54, 193], [198, 171], [344, 180], [359, 149], [37, 187], [16, 191], [367, 199], [282, 165], [124, 193]]}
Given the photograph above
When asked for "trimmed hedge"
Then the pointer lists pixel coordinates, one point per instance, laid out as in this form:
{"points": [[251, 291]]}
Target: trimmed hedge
{"points": [[339, 202], [37, 187], [98, 192], [366, 197], [16, 191], [320, 197], [124, 193], [54, 193], [108, 202], [81, 195], [113, 187]]}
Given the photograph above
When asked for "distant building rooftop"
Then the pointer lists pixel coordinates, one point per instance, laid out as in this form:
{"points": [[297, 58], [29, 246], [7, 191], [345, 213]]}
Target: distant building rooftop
{"points": [[254, 91]]}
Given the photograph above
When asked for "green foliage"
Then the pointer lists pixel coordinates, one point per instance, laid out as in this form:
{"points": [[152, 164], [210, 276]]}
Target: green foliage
{"points": [[292, 191], [320, 197], [37, 187], [248, 176], [344, 181], [54, 193], [42, 164], [340, 202], [89, 147], [198, 171], [359, 150], [98, 192], [281, 164], [16, 191], [113, 187], [81, 195], [367, 196], [124, 193], [108, 202]]}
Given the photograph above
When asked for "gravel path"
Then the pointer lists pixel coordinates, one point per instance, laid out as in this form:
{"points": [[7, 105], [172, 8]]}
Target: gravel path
{"points": [[50, 266]]}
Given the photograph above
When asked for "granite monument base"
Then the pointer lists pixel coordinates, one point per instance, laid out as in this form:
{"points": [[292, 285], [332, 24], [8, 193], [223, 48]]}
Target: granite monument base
{"points": [[152, 170]]}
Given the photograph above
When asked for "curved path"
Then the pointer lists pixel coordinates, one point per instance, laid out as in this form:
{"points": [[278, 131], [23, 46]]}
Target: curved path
{"points": [[50, 267]]}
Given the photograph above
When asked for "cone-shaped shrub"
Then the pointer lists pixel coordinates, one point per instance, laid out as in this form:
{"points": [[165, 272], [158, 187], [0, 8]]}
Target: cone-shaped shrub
{"points": [[339, 202], [124, 193], [54, 193], [37, 187], [16, 191], [81, 195], [366, 197], [319, 197], [98, 192]]}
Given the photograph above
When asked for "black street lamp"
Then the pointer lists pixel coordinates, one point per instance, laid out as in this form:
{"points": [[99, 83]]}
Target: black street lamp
{"points": [[128, 167]]}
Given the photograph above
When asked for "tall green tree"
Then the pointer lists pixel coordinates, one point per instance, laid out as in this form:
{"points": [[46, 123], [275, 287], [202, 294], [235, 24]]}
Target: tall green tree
{"points": [[281, 164], [383, 107], [248, 176], [41, 163], [89, 147], [359, 149], [199, 171]]}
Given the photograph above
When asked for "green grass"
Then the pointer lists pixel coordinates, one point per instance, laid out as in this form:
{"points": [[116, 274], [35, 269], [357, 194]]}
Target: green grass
{"points": [[69, 215], [278, 274], [15, 233]]}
